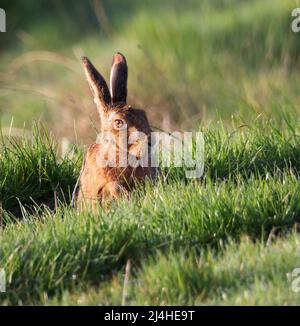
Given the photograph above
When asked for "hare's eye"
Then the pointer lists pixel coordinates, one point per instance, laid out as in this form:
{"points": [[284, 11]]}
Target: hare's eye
{"points": [[119, 124]]}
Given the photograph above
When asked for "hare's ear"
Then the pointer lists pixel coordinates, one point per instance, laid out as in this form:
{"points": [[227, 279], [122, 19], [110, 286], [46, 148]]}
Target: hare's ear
{"points": [[97, 84], [118, 79]]}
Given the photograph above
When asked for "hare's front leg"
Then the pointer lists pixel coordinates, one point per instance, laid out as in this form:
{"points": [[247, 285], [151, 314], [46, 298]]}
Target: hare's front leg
{"points": [[112, 190], [85, 202]]}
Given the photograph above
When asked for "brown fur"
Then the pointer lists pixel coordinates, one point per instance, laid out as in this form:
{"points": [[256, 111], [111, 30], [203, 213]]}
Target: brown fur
{"points": [[99, 183]]}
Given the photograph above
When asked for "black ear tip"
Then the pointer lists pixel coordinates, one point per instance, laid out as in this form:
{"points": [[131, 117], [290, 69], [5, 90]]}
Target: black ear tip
{"points": [[119, 57], [119, 53], [85, 60]]}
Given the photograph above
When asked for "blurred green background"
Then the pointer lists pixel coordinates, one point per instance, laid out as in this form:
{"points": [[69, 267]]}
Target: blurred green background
{"points": [[190, 62]]}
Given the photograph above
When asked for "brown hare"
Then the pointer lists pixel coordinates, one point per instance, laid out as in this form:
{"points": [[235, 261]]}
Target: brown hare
{"points": [[121, 157]]}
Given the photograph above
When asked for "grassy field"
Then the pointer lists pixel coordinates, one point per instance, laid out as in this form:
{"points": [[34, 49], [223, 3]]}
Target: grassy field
{"points": [[196, 243], [227, 68]]}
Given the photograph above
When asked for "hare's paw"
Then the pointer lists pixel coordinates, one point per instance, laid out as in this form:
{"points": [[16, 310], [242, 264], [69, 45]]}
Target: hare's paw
{"points": [[113, 190]]}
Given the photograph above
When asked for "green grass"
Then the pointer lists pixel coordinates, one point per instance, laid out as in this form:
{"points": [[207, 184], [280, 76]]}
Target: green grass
{"points": [[244, 274], [31, 170], [177, 233]]}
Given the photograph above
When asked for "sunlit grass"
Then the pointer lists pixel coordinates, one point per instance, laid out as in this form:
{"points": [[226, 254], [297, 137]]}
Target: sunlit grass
{"points": [[250, 188]]}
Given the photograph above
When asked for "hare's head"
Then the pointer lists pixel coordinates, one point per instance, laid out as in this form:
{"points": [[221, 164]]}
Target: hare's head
{"points": [[115, 114]]}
